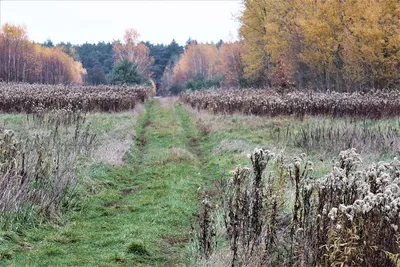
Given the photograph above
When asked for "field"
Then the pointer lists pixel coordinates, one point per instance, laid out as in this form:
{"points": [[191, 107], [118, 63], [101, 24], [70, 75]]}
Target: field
{"points": [[31, 98], [269, 102], [197, 181]]}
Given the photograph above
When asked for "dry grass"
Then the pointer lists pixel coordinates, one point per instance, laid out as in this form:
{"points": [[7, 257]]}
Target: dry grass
{"points": [[268, 102], [321, 136], [39, 167], [32, 97], [114, 144], [222, 258], [113, 152], [349, 217], [167, 101], [209, 122]]}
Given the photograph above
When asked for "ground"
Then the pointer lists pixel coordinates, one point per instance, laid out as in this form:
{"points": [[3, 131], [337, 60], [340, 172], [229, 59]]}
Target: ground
{"points": [[143, 188]]}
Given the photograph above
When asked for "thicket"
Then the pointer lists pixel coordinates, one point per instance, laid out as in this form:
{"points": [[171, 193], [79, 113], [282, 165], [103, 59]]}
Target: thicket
{"points": [[377, 104], [39, 166], [30, 97], [277, 213]]}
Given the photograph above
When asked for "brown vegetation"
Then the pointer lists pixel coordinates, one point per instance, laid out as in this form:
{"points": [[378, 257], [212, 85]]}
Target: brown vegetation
{"points": [[375, 105], [39, 167], [29, 98], [350, 217]]}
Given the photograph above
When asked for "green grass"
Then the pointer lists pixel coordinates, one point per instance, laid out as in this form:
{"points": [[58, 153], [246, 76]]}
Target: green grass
{"points": [[140, 213], [230, 138]]}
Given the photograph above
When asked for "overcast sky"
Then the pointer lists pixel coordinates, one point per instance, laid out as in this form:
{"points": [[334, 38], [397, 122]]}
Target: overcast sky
{"points": [[92, 21]]}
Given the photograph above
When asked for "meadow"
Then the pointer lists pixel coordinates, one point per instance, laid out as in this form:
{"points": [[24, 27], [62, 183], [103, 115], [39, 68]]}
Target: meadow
{"points": [[198, 180]]}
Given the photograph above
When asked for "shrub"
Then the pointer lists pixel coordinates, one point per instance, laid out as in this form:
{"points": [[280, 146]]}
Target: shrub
{"points": [[38, 168], [30, 97], [268, 102], [350, 217]]}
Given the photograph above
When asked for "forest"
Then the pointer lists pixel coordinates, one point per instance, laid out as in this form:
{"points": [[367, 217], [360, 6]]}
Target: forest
{"points": [[324, 45]]}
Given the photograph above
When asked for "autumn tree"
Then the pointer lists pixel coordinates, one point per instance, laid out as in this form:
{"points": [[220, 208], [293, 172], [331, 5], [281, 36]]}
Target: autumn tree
{"points": [[331, 44], [322, 31], [14, 42], [371, 44], [25, 61], [199, 59], [198, 67], [131, 49], [253, 30], [232, 63]]}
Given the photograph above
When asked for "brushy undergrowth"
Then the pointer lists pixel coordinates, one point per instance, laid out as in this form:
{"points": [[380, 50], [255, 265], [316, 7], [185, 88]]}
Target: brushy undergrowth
{"points": [[38, 167], [268, 102], [276, 213], [16, 97], [338, 135]]}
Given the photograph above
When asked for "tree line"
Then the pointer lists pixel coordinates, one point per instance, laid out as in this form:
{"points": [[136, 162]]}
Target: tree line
{"points": [[25, 61], [342, 45], [129, 60], [171, 68], [122, 61]]}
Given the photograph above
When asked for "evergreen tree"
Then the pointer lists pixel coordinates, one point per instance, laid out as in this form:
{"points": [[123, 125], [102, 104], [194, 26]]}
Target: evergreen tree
{"points": [[125, 73], [97, 59]]}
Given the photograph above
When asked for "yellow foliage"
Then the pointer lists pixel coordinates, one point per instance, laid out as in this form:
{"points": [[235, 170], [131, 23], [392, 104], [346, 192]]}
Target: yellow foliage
{"points": [[352, 41], [153, 85], [134, 51], [26, 61], [197, 59], [253, 31]]}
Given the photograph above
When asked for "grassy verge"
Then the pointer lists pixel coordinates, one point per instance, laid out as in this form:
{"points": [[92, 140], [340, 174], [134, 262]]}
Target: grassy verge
{"points": [[136, 213], [140, 198], [227, 141]]}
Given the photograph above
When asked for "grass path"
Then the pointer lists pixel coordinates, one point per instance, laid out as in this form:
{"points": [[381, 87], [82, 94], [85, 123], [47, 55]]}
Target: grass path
{"points": [[139, 214]]}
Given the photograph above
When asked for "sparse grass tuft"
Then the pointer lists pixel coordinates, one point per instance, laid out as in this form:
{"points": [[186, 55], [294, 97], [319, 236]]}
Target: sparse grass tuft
{"points": [[6, 254], [137, 248]]}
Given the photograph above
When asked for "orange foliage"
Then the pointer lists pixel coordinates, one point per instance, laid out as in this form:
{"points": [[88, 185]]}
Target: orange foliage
{"points": [[197, 59], [232, 63], [134, 51], [207, 61], [25, 61]]}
